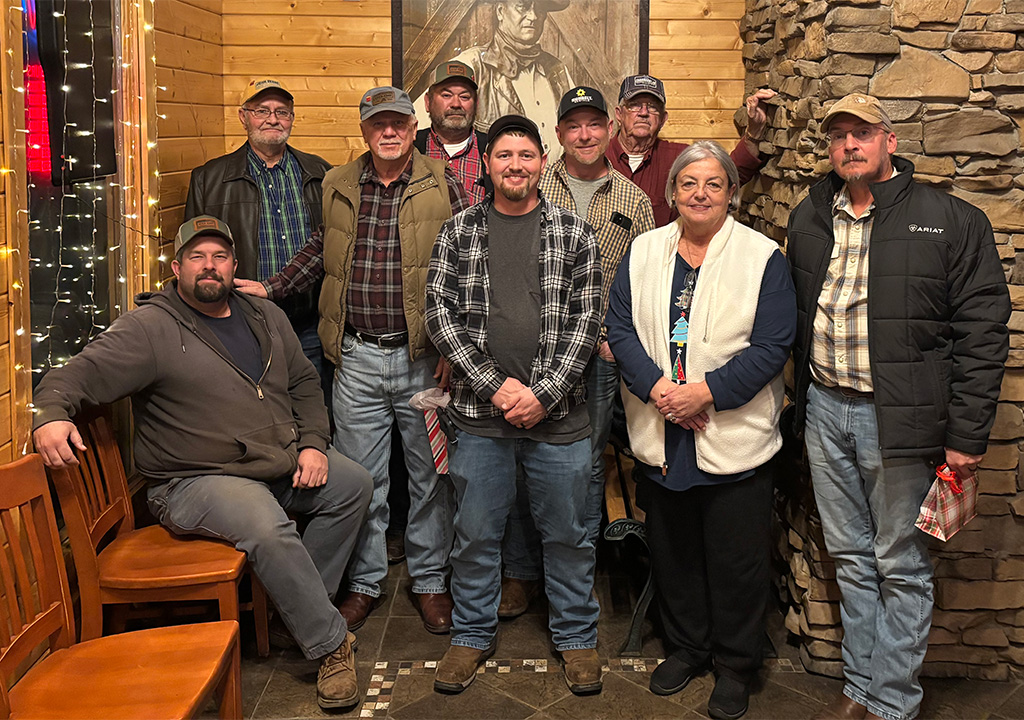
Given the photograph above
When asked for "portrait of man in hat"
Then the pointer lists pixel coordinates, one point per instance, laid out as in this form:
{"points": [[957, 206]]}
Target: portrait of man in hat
{"points": [[525, 53]]}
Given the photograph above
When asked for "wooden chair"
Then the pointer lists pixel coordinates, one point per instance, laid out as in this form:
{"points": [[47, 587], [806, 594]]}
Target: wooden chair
{"points": [[149, 564], [162, 673]]}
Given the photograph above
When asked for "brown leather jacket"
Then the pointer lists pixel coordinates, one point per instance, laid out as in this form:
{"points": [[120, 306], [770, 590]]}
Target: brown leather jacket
{"points": [[224, 188]]}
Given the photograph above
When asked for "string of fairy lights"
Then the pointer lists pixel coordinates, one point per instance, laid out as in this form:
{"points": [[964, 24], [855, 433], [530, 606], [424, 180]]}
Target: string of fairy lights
{"points": [[83, 235]]}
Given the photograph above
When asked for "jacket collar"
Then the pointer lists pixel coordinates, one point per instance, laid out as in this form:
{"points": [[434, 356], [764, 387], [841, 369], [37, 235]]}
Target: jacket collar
{"points": [[345, 179], [886, 194], [237, 164]]}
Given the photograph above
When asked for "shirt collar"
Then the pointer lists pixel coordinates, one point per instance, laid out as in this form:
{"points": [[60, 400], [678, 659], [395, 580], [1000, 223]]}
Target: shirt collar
{"points": [[438, 143], [258, 164], [369, 174], [842, 202]]}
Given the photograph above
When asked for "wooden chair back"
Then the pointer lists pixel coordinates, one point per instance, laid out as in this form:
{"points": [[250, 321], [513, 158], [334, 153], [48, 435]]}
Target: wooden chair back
{"points": [[95, 502], [35, 605]]}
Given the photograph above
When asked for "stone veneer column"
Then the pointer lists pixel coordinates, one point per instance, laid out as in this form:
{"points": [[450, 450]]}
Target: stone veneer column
{"points": [[951, 75]]}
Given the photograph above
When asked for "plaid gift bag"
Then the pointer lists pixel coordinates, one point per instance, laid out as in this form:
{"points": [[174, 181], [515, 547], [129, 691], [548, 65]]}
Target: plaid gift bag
{"points": [[429, 401], [950, 504]]}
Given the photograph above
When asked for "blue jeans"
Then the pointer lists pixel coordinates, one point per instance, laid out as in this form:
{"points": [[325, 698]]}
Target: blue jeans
{"points": [[372, 389], [309, 339], [868, 506], [301, 575], [521, 549], [483, 471]]}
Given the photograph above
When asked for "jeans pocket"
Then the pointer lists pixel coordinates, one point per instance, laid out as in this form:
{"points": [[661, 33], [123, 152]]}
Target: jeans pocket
{"points": [[348, 343]]}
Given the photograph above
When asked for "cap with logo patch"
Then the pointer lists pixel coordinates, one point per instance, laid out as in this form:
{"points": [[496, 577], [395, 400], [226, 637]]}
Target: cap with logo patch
{"points": [[385, 99], [638, 84], [453, 69], [865, 107], [580, 97], [261, 85], [200, 226]]}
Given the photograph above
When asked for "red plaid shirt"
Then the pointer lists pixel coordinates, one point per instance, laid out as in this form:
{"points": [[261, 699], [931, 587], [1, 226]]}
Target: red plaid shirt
{"points": [[375, 302], [466, 165]]}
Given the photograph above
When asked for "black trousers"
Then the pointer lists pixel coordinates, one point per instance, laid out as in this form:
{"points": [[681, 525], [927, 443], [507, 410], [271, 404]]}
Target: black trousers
{"points": [[710, 551]]}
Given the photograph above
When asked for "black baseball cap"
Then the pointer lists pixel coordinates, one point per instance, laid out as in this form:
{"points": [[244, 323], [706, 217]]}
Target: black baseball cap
{"points": [[513, 122], [639, 84], [581, 96]]}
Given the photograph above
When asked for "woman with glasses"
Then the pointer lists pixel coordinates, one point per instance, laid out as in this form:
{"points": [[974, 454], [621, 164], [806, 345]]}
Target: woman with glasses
{"points": [[701, 320]]}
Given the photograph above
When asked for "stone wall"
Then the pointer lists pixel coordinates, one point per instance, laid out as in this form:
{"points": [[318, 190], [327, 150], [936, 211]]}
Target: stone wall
{"points": [[951, 75]]}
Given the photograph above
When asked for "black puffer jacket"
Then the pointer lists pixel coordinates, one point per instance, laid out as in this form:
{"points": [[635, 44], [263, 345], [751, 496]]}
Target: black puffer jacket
{"points": [[937, 312], [224, 188]]}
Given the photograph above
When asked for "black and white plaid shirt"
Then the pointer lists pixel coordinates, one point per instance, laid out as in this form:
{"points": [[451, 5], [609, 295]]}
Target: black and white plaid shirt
{"points": [[458, 285]]}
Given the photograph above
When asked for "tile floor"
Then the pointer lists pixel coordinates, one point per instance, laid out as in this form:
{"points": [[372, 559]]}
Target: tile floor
{"points": [[524, 680]]}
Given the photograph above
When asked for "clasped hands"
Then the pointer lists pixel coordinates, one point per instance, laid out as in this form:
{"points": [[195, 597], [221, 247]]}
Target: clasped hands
{"points": [[518, 403], [684, 405]]}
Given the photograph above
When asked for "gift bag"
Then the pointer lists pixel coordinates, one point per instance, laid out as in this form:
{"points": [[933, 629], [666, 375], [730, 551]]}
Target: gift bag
{"points": [[950, 504], [430, 401]]}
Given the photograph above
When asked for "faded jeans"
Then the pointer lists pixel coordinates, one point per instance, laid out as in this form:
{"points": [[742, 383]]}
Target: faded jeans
{"points": [[868, 506], [301, 575], [372, 389], [521, 549], [483, 471]]}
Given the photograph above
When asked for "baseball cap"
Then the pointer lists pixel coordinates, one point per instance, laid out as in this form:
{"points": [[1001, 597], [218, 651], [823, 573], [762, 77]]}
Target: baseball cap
{"points": [[865, 107], [636, 84], [385, 99], [259, 85], [581, 96], [199, 226], [513, 122], [453, 69]]}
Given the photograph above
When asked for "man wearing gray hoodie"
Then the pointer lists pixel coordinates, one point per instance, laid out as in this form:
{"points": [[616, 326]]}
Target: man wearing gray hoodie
{"points": [[231, 431]]}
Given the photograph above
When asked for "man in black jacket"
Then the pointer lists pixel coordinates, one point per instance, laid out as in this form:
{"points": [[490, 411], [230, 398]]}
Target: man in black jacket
{"points": [[270, 195], [897, 369]]}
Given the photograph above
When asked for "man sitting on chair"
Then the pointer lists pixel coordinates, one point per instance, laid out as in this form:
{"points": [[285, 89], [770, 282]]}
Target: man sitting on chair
{"points": [[231, 431]]}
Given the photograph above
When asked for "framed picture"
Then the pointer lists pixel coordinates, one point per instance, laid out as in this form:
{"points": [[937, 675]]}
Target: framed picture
{"points": [[526, 53]]}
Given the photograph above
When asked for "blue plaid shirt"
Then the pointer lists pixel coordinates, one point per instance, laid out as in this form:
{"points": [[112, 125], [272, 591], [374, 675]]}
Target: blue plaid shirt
{"points": [[284, 222]]}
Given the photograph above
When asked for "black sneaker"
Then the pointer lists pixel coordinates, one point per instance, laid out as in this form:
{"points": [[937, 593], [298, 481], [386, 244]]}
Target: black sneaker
{"points": [[673, 675], [729, 698]]}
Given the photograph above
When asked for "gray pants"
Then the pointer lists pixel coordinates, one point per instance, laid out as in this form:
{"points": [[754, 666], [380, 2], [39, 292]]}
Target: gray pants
{"points": [[301, 575]]}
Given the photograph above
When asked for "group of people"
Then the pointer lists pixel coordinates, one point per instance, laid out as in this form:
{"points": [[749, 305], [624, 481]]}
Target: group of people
{"points": [[537, 292]]}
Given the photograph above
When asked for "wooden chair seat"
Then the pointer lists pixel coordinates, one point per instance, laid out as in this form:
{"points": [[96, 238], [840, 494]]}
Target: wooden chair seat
{"points": [[161, 673], [119, 565], [153, 556]]}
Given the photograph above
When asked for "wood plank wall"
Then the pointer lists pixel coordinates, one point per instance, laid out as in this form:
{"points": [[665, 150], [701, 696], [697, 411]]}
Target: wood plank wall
{"points": [[328, 52], [15, 323], [190, 95]]}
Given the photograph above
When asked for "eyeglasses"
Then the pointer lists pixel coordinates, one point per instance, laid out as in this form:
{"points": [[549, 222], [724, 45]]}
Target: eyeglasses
{"points": [[634, 108], [861, 133], [264, 113]]}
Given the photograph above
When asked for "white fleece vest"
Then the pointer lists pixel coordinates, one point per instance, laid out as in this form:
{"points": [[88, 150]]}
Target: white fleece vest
{"points": [[722, 318]]}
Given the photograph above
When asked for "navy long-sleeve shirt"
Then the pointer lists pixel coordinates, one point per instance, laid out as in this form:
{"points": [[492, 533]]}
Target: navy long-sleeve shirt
{"points": [[732, 385]]}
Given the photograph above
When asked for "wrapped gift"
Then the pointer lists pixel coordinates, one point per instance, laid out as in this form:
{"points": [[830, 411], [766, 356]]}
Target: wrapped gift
{"points": [[431, 402], [950, 504]]}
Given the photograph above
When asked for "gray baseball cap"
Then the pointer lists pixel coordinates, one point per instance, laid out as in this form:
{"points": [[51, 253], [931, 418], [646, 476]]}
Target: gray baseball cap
{"points": [[384, 99], [199, 226]]}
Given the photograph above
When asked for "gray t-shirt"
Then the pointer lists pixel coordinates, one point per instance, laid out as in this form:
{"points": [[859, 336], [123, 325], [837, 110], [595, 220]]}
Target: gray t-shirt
{"points": [[513, 324], [583, 192]]}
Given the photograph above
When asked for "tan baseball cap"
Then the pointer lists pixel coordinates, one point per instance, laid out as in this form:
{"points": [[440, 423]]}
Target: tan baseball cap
{"points": [[260, 85], [200, 226], [866, 107]]}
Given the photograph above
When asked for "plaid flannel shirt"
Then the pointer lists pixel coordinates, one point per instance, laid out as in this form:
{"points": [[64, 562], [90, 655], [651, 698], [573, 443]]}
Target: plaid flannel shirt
{"points": [[458, 285], [616, 204], [306, 268], [283, 221], [839, 344], [467, 165]]}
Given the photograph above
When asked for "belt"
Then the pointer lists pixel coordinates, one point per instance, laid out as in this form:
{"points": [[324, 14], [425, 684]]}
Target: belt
{"points": [[851, 393], [391, 340]]}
